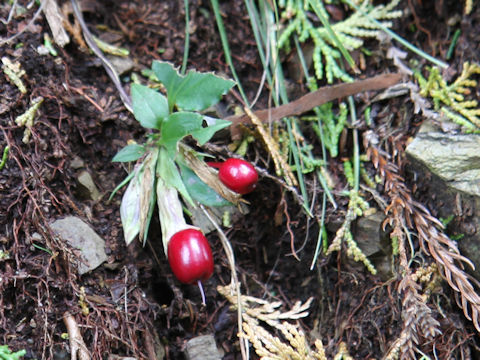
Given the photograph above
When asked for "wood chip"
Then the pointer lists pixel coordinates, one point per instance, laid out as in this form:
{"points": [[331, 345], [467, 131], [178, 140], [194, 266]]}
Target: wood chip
{"points": [[55, 21]]}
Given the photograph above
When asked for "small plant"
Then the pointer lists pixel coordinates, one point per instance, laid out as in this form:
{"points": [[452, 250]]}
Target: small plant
{"points": [[356, 208], [303, 19], [167, 167], [450, 98], [332, 126], [7, 354], [271, 331]]}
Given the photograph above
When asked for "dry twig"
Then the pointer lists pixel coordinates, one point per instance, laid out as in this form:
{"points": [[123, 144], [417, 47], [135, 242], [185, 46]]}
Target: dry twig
{"points": [[77, 345], [313, 99]]}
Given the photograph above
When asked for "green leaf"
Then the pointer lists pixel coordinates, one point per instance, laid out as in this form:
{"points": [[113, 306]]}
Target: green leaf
{"points": [[169, 77], [168, 171], [122, 184], [205, 133], [149, 106], [201, 91], [200, 191], [177, 126], [192, 92], [129, 153]]}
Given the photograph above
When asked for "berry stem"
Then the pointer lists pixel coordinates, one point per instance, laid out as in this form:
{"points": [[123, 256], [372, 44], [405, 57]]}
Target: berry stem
{"points": [[200, 286], [215, 164]]}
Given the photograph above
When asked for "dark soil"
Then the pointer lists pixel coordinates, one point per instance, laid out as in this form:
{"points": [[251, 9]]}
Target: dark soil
{"points": [[83, 117]]}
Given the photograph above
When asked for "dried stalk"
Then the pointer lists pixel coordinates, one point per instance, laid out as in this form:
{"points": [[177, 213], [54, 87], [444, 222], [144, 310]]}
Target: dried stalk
{"points": [[404, 215], [77, 345]]}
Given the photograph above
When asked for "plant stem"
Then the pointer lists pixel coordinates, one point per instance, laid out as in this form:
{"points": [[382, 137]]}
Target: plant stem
{"points": [[187, 38], [170, 212], [356, 147], [4, 157], [200, 286], [226, 47]]}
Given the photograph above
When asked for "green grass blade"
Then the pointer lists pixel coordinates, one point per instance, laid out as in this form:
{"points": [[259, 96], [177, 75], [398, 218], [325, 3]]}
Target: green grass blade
{"points": [[226, 47], [333, 36], [187, 38], [321, 229], [356, 147], [298, 165], [320, 176]]}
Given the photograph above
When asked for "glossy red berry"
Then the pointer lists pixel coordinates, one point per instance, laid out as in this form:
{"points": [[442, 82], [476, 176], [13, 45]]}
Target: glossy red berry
{"points": [[238, 175], [190, 256]]}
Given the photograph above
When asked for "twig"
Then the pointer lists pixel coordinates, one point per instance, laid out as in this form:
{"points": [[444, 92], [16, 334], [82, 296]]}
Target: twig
{"points": [[77, 345], [314, 99], [112, 73]]}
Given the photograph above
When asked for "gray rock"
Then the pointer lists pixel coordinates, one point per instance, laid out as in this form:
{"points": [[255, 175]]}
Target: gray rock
{"points": [[121, 64], [80, 235], [77, 163], [200, 220], [450, 164], [374, 242], [202, 348], [86, 187], [454, 158], [367, 233]]}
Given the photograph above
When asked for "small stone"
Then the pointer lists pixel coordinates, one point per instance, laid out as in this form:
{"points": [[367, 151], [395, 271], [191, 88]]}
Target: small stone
{"points": [[451, 163], [452, 157], [79, 235], [121, 64], [86, 187], [202, 348], [77, 163], [367, 233]]}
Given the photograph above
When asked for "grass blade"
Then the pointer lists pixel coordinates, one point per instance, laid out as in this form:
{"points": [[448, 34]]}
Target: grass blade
{"points": [[226, 47]]}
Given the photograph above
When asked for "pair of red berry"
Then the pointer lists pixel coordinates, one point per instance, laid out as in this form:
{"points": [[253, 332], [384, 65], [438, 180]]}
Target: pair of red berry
{"points": [[189, 253]]}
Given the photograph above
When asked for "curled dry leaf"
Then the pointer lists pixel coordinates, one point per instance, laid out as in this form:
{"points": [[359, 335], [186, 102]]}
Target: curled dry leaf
{"points": [[130, 206], [208, 175]]}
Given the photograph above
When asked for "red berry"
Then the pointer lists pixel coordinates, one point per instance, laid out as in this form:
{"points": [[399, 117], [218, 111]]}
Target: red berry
{"points": [[190, 256], [238, 175]]}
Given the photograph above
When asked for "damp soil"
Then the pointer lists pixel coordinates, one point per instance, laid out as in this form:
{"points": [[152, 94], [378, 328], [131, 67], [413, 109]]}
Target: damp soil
{"points": [[132, 305]]}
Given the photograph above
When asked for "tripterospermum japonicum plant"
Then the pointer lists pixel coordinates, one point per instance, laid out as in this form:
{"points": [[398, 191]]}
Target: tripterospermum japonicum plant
{"points": [[167, 170]]}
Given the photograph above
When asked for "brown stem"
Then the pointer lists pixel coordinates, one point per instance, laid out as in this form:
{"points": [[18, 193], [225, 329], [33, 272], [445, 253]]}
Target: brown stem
{"points": [[313, 99]]}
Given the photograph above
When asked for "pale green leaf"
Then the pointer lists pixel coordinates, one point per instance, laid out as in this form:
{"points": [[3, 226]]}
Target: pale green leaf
{"points": [[177, 126], [168, 171], [192, 92], [148, 194], [130, 207], [200, 191], [130, 152], [205, 133], [149, 106]]}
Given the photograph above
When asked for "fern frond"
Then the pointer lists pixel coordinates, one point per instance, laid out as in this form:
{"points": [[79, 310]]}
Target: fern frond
{"points": [[326, 56], [356, 207], [287, 340], [450, 99]]}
